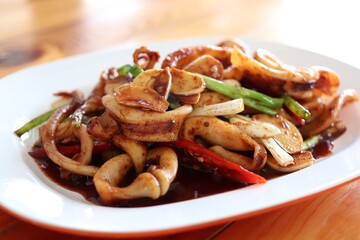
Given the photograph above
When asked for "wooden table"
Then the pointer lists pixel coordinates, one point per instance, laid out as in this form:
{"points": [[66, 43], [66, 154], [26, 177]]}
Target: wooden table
{"points": [[34, 32]]}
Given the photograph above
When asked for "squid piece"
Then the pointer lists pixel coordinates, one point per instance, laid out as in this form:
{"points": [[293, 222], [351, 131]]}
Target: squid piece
{"points": [[206, 65], [184, 56], [217, 132], [278, 135], [302, 160], [268, 74], [147, 126], [164, 166], [141, 97], [145, 58], [103, 127], [87, 145], [289, 138], [258, 161], [210, 98], [48, 139], [330, 114], [225, 137], [135, 149], [152, 184], [113, 171], [185, 85], [158, 79], [231, 43], [232, 72]]}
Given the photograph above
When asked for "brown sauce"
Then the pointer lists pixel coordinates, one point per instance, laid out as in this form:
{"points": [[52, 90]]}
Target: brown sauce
{"points": [[188, 184]]}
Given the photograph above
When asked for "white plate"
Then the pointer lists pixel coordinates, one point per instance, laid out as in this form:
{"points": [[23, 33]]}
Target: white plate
{"points": [[27, 193]]}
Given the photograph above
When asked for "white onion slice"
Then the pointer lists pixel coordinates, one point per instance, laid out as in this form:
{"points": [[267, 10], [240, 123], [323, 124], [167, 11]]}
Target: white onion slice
{"points": [[220, 109], [254, 128]]}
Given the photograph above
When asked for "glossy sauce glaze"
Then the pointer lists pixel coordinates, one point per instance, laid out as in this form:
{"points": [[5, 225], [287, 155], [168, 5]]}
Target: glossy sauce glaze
{"points": [[190, 183]]}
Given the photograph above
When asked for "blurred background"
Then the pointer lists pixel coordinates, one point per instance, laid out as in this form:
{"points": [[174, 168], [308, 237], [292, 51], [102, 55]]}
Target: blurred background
{"points": [[37, 31]]}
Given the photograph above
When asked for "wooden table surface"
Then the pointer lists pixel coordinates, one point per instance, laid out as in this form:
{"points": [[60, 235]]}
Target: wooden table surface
{"points": [[34, 32]]}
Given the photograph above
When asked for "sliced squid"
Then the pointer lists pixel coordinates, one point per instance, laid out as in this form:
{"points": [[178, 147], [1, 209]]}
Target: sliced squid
{"points": [[135, 149], [182, 57], [289, 138], [206, 65], [209, 98], [151, 184], [145, 57], [329, 113], [141, 97], [159, 80], [186, 83], [257, 162], [103, 127], [48, 139], [217, 132], [147, 126], [224, 138], [164, 166], [302, 160], [113, 171], [274, 77]]}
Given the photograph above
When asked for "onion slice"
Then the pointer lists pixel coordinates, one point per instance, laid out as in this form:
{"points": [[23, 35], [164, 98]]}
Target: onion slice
{"points": [[220, 109]]}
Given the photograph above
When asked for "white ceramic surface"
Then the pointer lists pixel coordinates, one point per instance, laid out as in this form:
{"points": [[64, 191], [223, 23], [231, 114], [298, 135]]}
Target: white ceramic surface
{"points": [[26, 192]]}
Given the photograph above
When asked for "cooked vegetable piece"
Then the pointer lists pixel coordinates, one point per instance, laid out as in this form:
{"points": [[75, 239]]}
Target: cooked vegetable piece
{"points": [[225, 167]]}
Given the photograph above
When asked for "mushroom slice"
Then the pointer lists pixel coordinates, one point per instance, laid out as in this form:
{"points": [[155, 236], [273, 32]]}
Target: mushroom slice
{"points": [[290, 138], [147, 126], [113, 171], [142, 97], [206, 65], [302, 160], [186, 83], [159, 80]]}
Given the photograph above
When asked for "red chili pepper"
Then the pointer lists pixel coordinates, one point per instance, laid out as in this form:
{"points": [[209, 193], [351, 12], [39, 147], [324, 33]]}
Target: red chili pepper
{"points": [[298, 119], [225, 167], [71, 150]]}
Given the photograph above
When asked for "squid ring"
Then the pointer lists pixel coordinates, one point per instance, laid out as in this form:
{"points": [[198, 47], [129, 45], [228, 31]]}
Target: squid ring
{"points": [[48, 137], [153, 183]]}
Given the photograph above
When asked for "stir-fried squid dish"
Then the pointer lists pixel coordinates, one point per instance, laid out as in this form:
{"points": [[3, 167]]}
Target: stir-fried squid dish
{"points": [[222, 112]]}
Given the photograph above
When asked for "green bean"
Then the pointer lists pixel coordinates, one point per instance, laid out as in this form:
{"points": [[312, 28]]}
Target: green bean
{"points": [[134, 70], [234, 92], [253, 99], [296, 108], [34, 122], [311, 142]]}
